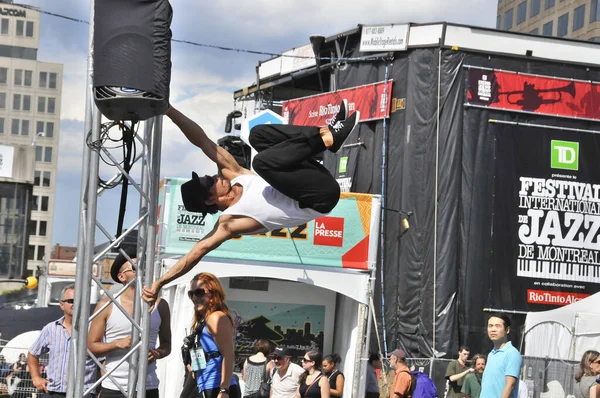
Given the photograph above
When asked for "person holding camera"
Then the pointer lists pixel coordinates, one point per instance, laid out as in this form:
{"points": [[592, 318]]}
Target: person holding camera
{"points": [[212, 355]]}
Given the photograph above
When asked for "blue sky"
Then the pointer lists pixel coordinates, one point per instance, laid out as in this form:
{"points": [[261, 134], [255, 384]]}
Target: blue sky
{"points": [[203, 79]]}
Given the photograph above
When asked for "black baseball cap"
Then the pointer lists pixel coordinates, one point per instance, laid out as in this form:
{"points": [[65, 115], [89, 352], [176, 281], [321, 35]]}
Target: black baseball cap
{"points": [[195, 192], [120, 260], [281, 352]]}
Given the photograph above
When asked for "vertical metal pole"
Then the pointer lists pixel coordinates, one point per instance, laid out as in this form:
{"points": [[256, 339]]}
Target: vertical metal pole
{"points": [[138, 362], [365, 353], [382, 222], [150, 182], [435, 211], [80, 322]]}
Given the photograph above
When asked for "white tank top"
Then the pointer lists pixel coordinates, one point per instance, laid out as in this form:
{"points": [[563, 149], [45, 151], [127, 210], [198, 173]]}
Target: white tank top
{"points": [[118, 327], [268, 206]]}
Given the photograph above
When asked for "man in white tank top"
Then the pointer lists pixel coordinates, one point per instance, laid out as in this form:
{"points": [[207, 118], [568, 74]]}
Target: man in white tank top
{"points": [[110, 333], [289, 188]]}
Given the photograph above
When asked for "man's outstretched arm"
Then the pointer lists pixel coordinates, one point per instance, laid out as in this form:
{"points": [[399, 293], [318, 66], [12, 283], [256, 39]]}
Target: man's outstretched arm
{"points": [[196, 135], [219, 234]]}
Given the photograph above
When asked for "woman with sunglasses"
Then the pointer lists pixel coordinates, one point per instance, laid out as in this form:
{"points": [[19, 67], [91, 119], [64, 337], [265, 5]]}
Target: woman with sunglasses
{"points": [[589, 369], [214, 332], [312, 383]]}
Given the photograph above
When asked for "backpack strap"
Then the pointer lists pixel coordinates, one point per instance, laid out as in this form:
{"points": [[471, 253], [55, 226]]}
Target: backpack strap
{"points": [[313, 382]]}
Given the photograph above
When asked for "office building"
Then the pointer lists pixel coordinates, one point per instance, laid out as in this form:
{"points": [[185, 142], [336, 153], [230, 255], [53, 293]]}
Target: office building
{"points": [[574, 19], [30, 98]]}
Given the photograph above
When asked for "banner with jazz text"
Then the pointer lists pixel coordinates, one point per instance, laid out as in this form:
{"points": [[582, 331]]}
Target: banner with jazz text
{"points": [[547, 95], [317, 110], [340, 239]]}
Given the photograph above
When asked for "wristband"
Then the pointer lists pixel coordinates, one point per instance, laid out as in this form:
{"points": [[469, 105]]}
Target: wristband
{"points": [[224, 391]]}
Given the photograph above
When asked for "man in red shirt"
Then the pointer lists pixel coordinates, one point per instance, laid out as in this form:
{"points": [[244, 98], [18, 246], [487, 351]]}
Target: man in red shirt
{"points": [[402, 379]]}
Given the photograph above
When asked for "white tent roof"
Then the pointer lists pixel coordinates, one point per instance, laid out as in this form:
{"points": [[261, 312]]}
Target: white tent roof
{"points": [[566, 332]]}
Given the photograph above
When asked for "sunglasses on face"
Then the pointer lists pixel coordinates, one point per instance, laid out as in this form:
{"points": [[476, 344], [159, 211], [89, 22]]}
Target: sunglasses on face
{"points": [[197, 293], [277, 358], [68, 301], [306, 360]]}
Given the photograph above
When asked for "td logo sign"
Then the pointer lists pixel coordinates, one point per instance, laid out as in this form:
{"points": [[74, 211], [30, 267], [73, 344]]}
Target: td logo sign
{"points": [[565, 155]]}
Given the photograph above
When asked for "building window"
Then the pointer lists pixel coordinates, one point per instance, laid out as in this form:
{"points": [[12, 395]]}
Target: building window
{"points": [[44, 204], [43, 79], [41, 104], [34, 202], [508, 19], [38, 153], [24, 127], [29, 29], [498, 21], [535, 8], [536, 31], [46, 180], [18, 77], [33, 227], [578, 17], [27, 102], [48, 154], [49, 129], [41, 252], [52, 81], [37, 178], [16, 102], [549, 4], [4, 26], [39, 128], [51, 105], [521, 12], [548, 28], [2, 100], [3, 75], [563, 25], [14, 128], [20, 27], [31, 252], [43, 227], [28, 78], [594, 11], [1, 125]]}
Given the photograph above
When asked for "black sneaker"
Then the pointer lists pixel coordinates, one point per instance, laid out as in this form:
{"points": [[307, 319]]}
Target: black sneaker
{"points": [[342, 130], [340, 116]]}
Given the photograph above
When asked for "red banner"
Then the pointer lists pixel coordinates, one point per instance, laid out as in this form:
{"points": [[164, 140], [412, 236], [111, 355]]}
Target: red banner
{"points": [[531, 93], [553, 298], [371, 100]]}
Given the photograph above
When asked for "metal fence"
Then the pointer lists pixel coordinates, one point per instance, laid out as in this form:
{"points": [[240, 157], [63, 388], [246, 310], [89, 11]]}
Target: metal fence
{"points": [[550, 377], [15, 379]]}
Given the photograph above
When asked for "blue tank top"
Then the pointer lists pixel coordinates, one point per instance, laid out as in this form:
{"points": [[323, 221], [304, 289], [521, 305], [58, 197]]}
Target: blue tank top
{"points": [[210, 377]]}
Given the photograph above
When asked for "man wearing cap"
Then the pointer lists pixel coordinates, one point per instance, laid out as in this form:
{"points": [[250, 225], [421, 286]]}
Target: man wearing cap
{"points": [[110, 332], [284, 382], [55, 340], [402, 380], [289, 188]]}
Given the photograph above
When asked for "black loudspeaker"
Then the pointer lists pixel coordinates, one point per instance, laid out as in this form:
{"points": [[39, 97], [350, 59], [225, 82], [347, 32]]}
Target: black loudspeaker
{"points": [[240, 151], [132, 58]]}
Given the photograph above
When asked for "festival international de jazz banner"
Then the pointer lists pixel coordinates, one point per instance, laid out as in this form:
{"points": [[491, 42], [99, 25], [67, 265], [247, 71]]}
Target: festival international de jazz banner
{"points": [[547, 215], [340, 239], [533, 93], [317, 110]]}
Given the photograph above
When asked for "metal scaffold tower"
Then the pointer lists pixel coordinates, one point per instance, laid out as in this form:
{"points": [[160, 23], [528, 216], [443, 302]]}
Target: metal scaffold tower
{"points": [[149, 158]]}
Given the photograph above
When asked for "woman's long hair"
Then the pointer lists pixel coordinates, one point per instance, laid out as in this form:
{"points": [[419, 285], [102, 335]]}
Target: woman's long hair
{"points": [[217, 297], [314, 356], [584, 366]]}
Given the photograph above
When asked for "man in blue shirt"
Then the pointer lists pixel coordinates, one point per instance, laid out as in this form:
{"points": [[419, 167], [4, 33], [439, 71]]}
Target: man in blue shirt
{"points": [[501, 375]]}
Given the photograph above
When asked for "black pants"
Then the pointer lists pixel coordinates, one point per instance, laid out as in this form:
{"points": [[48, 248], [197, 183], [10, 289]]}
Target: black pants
{"points": [[52, 394], [106, 393], [234, 392], [285, 161], [372, 395]]}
